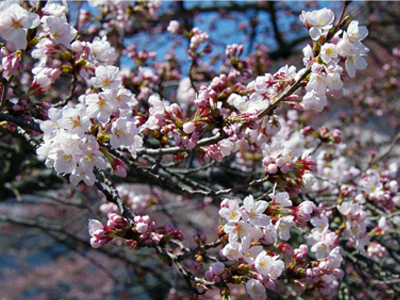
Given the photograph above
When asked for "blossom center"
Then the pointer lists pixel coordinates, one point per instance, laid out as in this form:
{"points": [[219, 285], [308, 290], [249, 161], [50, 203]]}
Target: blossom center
{"points": [[16, 23]]}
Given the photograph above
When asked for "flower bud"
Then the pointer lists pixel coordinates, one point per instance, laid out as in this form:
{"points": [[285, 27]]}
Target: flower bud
{"points": [[119, 167], [338, 273], [218, 268]]}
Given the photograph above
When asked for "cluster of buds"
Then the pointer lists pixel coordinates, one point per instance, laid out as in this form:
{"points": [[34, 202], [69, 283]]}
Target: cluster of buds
{"points": [[300, 178], [216, 272], [19, 104], [278, 157], [299, 254], [334, 136], [144, 226], [324, 274], [139, 57], [376, 250], [323, 133], [200, 238], [169, 232], [198, 37], [101, 234], [11, 64], [234, 51]]}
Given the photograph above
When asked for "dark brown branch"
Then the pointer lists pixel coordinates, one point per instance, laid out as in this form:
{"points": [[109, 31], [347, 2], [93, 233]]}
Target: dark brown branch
{"points": [[20, 122], [113, 196]]}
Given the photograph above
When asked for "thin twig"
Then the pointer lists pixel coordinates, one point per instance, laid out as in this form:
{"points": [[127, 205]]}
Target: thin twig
{"points": [[71, 93]]}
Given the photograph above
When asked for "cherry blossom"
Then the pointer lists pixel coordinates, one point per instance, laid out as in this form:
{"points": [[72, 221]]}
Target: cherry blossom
{"points": [[124, 132], [14, 23], [269, 266], [256, 290], [253, 212], [60, 31], [318, 21], [106, 77], [231, 212]]}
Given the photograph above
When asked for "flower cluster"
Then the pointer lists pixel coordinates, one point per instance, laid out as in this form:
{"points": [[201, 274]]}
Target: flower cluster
{"points": [[326, 76]]}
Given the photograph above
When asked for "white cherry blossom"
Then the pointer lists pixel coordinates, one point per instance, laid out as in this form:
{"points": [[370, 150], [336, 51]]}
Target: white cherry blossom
{"points": [[14, 23], [283, 199], [317, 83], [106, 77], [320, 223], [328, 52], [354, 62], [318, 22], [315, 101], [137, 144], [334, 81], [102, 51], [253, 212], [269, 266], [60, 31], [232, 212], [124, 131], [74, 120], [256, 290], [82, 173], [355, 34], [100, 105], [241, 229], [63, 162], [250, 253], [283, 227], [233, 251]]}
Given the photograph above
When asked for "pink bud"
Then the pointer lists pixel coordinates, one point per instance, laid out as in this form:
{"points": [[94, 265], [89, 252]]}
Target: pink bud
{"points": [[156, 236], [102, 234], [217, 278], [272, 169], [119, 167], [317, 68], [270, 285], [286, 168], [208, 274], [208, 48], [307, 130], [337, 135], [146, 219], [338, 273], [323, 266], [285, 248], [152, 225], [316, 271], [189, 127], [141, 227], [116, 221], [309, 273], [218, 268], [240, 49]]}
